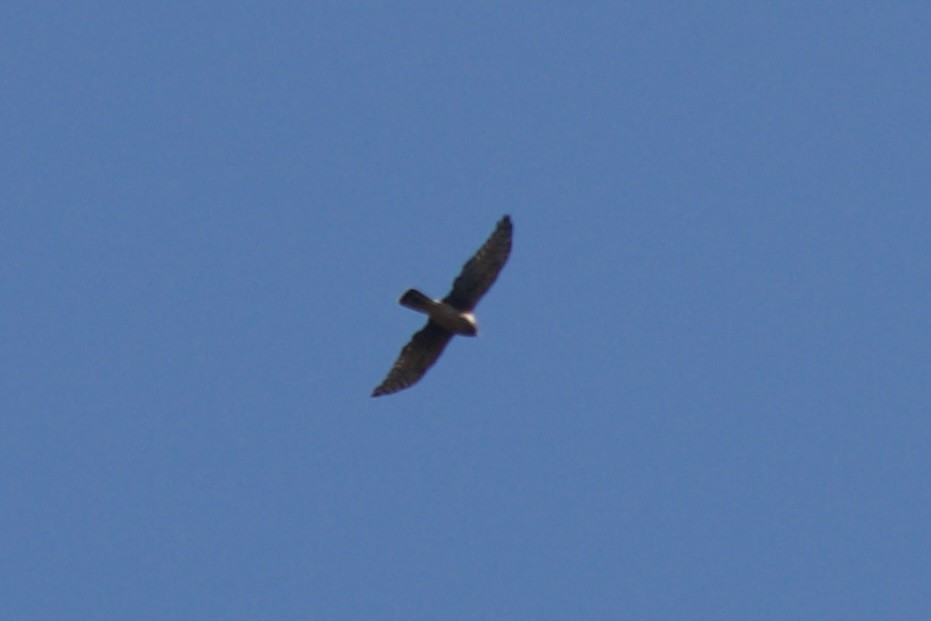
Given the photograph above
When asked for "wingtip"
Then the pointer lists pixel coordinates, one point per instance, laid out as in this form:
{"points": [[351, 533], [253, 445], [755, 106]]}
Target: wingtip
{"points": [[381, 391]]}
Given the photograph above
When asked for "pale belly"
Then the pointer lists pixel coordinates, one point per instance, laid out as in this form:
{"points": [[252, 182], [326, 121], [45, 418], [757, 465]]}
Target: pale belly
{"points": [[453, 320]]}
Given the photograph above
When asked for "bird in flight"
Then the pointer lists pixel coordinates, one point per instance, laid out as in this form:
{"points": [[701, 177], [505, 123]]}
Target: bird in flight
{"points": [[450, 316]]}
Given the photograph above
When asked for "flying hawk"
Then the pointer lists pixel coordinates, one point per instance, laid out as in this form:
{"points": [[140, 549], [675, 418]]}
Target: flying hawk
{"points": [[450, 316]]}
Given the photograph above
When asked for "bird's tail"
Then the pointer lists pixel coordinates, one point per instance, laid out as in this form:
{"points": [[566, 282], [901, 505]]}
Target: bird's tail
{"points": [[416, 300]]}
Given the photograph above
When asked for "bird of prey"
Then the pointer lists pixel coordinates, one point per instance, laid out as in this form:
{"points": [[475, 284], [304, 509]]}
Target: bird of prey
{"points": [[450, 316]]}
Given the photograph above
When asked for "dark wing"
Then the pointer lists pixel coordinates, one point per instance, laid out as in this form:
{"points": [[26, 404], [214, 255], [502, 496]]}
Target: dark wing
{"points": [[416, 357], [480, 272]]}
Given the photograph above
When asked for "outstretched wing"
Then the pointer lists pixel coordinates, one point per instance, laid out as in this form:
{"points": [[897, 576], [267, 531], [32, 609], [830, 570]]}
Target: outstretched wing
{"points": [[480, 272], [416, 357]]}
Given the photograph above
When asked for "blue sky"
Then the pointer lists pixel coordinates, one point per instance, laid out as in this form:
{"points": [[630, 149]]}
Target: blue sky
{"points": [[701, 388]]}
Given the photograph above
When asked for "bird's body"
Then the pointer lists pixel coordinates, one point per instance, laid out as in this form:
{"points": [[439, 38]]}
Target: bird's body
{"points": [[446, 315], [450, 316]]}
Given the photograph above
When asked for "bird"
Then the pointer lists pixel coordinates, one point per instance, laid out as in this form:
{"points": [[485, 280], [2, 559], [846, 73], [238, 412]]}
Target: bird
{"points": [[450, 316]]}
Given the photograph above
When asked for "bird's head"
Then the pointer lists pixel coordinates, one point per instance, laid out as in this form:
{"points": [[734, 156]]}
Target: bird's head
{"points": [[472, 326]]}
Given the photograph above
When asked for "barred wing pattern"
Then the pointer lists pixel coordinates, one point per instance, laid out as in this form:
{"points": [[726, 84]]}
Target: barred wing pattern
{"points": [[480, 272], [416, 357]]}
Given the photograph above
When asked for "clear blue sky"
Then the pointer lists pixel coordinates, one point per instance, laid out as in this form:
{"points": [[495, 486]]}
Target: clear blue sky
{"points": [[702, 388]]}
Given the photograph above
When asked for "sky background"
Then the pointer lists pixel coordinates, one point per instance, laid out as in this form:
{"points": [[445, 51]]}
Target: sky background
{"points": [[702, 386]]}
